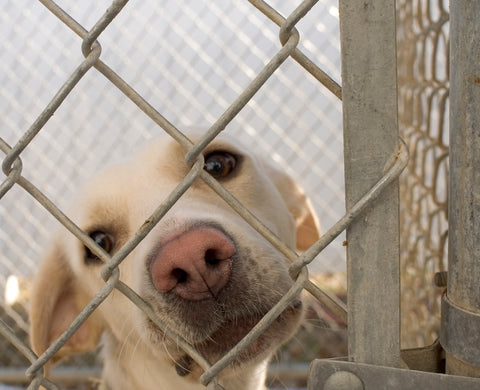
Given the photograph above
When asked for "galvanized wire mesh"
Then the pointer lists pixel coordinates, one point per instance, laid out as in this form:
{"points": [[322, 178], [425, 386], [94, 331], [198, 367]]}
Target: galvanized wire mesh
{"points": [[423, 40], [190, 62]]}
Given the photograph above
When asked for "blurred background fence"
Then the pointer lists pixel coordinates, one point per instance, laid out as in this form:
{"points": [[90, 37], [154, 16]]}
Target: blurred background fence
{"points": [[423, 87], [190, 60]]}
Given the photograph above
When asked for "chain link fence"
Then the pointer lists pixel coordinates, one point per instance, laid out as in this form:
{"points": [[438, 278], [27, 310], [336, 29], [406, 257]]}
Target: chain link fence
{"points": [[187, 62], [423, 41]]}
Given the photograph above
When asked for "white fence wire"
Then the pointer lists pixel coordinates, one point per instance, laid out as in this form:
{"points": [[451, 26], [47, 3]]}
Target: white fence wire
{"points": [[191, 68], [189, 60]]}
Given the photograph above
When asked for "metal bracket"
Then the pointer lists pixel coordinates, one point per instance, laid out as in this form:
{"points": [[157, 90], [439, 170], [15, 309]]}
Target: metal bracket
{"points": [[339, 375], [460, 332], [430, 358]]}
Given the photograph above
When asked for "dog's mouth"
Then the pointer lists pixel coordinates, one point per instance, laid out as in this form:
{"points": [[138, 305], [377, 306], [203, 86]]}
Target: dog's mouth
{"points": [[229, 335], [231, 332]]}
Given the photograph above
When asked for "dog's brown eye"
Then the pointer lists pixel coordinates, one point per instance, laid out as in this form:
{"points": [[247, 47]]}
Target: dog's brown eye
{"points": [[220, 164], [102, 239]]}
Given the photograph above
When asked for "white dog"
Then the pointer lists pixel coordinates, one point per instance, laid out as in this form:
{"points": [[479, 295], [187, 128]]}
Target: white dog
{"points": [[204, 271]]}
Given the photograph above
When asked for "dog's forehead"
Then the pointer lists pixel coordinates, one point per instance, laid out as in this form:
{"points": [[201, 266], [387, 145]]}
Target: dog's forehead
{"points": [[164, 151], [158, 166]]}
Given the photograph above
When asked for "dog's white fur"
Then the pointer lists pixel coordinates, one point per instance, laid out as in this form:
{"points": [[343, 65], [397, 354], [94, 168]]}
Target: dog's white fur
{"points": [[136, 354]]}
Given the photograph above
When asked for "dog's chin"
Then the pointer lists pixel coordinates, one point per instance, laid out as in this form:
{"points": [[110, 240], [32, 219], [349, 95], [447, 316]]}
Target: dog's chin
{"points": [[226, 336]]}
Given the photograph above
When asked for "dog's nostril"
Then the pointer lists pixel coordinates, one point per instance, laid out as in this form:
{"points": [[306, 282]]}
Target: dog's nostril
{"points": [[211, 257], [180, 275]]}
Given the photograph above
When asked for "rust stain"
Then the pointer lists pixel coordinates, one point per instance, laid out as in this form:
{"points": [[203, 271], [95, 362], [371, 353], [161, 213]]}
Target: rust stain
{"points": [[475, 79]]}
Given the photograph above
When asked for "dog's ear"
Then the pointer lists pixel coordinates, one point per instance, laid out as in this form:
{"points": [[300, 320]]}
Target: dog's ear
{"points": [[56, 300], [308, 226]]}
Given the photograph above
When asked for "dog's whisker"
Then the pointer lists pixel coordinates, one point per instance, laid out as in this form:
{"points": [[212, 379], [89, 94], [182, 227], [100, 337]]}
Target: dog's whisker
{"points": [[135, 349], [125, 342]]}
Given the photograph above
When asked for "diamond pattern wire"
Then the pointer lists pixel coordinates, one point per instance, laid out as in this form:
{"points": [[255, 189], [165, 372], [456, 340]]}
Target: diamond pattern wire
{"points": [[423, 39], [183, 64], [215, 50]]}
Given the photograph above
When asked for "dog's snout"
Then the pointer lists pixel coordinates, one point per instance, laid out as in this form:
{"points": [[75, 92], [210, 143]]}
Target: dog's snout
{"points": [[195, 264]]}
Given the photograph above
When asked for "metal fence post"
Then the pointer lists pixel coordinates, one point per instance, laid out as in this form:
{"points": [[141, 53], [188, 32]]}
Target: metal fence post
{"points": [[461, 306], [367, 30]]}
